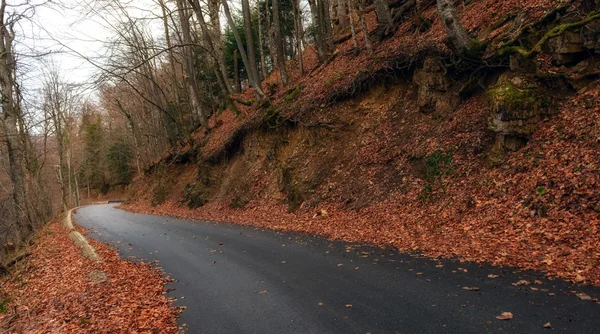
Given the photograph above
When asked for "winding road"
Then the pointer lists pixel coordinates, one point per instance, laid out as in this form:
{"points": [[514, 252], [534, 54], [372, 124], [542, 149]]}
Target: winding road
{"points": [[235, 279]]}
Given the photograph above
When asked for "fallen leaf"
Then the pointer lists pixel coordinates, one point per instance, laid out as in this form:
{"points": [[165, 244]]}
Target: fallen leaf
{"points": [[340, 265], [321, 304], [470, 288], [547, 325], [263, 292], [505, 316], [349, 305], [521, 282], [493, 276], [579, 278], [583, 296]]}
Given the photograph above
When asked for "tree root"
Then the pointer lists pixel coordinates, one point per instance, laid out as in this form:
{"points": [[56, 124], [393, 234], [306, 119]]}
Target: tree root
{"points": [[554, 32]]}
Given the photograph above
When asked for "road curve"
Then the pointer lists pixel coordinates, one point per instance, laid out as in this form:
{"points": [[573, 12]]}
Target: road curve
{"points": [[236, 279]]}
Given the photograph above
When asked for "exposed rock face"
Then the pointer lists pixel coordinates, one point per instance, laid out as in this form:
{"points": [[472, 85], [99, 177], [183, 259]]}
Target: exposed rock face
{"points": [[433, 91], [566, 46], [518, 104], [590, 35]]}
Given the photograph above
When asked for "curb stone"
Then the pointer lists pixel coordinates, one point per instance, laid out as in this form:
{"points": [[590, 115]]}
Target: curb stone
{"points": [[79, 240]]}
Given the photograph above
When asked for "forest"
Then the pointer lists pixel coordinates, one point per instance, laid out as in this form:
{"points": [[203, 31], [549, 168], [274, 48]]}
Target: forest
{"points": [[457, 138], [415, 124]]}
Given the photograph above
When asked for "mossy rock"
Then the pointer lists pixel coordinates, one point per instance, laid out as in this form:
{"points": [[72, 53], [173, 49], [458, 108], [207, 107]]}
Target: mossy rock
{"points": [[293, 94], [517, 104], [195, 195]]}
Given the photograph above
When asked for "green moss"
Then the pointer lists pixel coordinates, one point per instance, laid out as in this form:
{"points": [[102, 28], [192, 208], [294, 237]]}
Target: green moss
{"points": [[293, 94], [195, 195], [512, 97], [272, 117], [552, 33]]}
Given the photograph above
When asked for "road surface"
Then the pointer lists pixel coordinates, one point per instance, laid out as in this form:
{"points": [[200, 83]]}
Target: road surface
{"points": [[237, 279]]}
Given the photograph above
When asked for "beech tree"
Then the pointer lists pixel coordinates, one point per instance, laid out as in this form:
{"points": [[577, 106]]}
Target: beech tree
{"points": [[458, 39], [277, 42], [10, 118]]}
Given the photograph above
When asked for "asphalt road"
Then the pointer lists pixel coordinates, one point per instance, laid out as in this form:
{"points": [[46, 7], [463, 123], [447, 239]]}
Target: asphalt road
{"points": [[237, 279]]}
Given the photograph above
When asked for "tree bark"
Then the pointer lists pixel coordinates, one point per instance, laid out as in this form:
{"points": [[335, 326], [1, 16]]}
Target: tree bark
{"points": [[261, 43], [458, 39], [299, 32], [384, 15], [188, 56], [365, 30], [236, 72], [253, 80], [252, 65], [278, 43], [351, 9], [9, 120], [322, 22], [342, 15]]}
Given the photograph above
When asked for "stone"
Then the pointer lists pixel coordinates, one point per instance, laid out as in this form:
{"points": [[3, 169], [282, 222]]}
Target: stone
{"points": [[97, 276], [432, 86], [517, 105], [566, 46], [590, 34]]}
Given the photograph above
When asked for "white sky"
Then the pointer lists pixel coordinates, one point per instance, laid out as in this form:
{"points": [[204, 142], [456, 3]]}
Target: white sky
{"points": [[71, 31]]}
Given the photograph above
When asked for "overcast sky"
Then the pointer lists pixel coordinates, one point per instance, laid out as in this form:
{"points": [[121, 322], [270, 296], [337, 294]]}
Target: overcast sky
{"points": [[75, 32]]}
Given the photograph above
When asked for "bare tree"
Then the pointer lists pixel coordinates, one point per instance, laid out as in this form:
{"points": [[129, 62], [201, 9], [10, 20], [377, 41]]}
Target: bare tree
{"points": [[298, 34], [384, 15], [458, 39], [254, 81], [10, 120], [277, 43]]}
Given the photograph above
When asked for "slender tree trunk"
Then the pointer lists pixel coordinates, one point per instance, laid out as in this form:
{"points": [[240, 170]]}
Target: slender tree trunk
{"points": [[278, 43], [252, 64], [189, 63], [9, 119], [263, 63], [384, 15], [352, 27], [342, 14], [299, 32], [253, 80], [169, 46], [236, 72], [365, 29], [458, 39], [213, 39], [213, 6]]}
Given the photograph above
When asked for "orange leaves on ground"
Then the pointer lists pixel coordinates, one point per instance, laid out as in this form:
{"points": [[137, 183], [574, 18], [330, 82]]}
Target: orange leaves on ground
{"points": [[59, 291]]}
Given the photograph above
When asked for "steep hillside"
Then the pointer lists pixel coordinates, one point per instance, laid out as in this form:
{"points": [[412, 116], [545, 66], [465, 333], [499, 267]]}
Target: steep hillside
{"points": [[490, 159]]}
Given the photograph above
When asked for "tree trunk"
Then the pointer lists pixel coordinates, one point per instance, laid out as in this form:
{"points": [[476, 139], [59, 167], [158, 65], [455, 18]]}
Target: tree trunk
{"points": [[253, 80], [342, 14], [261, 43], [458, 39], [252, 65], [278, 43], [9, 119], [351, 9], [299, 32], [188, 56], [213, 7], [384, 15], [322, 23], [365, 29], [236, 72]]}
